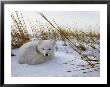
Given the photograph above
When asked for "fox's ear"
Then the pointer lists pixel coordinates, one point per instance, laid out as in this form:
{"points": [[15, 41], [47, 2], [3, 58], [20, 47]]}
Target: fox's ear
{"points": [[53, 42], [39, 42]]}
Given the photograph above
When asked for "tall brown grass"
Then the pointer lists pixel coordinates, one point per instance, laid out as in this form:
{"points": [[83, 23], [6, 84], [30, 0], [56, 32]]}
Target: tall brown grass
{"points": [[19, 33]]}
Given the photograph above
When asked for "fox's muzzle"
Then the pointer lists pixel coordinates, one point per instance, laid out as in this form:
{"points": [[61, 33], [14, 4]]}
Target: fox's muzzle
{"points": [[46, 54]]}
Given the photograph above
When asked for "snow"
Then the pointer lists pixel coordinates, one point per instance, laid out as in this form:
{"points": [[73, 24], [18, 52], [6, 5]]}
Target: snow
{"points": [[66, 63]]}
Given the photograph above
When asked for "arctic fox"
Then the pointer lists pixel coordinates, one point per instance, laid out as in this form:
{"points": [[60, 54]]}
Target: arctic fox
{"points": [[37, 51]]}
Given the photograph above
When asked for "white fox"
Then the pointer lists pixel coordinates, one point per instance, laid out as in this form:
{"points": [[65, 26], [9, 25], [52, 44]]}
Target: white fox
{"points": [[37, 51]]}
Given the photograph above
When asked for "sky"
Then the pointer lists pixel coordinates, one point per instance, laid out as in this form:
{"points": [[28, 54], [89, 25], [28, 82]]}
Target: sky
{"points": [[74, 19], [70, 17]]}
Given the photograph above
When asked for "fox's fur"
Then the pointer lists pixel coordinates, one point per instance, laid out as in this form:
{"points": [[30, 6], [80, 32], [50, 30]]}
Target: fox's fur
{"points": [[35, 52]]}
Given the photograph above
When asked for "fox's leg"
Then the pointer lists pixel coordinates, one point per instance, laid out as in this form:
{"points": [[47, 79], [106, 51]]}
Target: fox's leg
{"points": [[32, 61]]}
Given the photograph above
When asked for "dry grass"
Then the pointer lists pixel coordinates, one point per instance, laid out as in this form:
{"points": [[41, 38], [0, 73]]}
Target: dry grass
{"points": [[19, 33]]}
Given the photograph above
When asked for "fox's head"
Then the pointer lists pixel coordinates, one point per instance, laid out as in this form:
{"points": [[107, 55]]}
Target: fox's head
{"points": [[46, 47]]}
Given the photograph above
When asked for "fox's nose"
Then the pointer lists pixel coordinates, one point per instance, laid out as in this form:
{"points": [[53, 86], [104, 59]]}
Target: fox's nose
{"points": [[46, 54]]}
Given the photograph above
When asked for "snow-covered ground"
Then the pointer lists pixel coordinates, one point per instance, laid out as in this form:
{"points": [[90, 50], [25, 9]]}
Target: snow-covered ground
{"points": [[66, 63]]}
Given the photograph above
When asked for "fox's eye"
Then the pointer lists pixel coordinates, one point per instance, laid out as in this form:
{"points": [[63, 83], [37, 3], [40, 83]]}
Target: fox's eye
{"points": [[49, 49], [43, 49]]}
